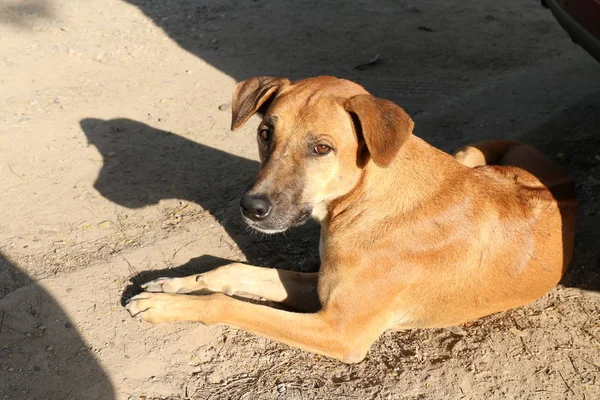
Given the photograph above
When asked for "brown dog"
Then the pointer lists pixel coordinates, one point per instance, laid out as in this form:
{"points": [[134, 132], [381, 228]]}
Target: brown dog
{"points": [[410, 236]]}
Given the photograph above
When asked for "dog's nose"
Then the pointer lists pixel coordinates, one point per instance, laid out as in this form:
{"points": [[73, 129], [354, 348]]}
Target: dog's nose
{"points": [[255, 207]]}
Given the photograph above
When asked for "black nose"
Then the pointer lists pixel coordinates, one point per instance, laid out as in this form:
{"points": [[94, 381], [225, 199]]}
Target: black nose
{"points": [[256, 208]]}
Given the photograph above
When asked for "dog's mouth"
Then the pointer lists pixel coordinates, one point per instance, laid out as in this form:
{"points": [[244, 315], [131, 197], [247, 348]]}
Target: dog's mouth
{"points": [[277, 224]]}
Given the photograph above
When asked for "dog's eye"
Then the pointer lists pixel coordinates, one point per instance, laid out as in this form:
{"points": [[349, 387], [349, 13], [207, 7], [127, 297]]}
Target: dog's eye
{"points": [[264, 134], [322, 149]]}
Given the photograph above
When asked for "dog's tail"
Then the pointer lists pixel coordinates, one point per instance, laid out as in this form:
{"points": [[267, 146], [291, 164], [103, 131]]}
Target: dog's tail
{"points": [[532, 160]]}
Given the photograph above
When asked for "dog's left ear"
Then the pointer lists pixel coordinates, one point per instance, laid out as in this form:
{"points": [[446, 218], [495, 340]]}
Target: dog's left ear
{"points": [[250, 95], [384, 125]]}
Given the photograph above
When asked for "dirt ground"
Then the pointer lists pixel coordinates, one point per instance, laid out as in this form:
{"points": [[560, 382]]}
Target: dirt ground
{"points": [[117, 166]]}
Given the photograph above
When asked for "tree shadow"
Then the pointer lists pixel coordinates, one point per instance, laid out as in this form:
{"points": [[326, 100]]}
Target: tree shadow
{"points": [[387, 46], [306, 38], [42, 355]]}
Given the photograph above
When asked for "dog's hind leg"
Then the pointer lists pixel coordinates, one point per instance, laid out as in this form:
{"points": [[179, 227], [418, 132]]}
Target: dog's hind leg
{"points": [[489, 152], [294, 289]]}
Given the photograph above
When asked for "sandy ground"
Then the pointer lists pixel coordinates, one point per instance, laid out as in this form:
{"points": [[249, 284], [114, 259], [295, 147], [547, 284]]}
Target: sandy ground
{"points": [[117, 165]]}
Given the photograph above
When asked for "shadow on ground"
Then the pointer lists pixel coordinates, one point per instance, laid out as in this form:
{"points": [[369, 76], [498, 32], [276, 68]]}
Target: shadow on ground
{"points": [[422, 50], [42, 354], [572, 138], [143, 165]]}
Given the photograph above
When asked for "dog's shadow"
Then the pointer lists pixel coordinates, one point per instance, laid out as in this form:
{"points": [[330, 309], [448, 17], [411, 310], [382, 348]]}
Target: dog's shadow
{"points": [[143, 165]]}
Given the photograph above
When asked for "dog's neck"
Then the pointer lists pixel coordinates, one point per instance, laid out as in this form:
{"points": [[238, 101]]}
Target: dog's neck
{"points": [[413, 179]]}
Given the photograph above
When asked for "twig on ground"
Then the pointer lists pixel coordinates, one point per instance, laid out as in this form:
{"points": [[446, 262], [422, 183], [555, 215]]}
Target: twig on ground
{"points": [[565, 382], [11, 170], [2, 321], [132, 269], [573, 365], [591, 363]]}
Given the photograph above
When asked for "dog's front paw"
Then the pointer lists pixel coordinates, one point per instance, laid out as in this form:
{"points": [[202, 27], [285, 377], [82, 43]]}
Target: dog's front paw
{"points": [[153, 307]]}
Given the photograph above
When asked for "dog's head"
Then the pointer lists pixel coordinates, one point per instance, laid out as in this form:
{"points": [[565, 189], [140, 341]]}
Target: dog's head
{"points": [[315, 140]]}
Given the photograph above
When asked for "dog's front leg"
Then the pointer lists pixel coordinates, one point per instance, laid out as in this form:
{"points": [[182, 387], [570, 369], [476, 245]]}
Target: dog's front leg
{"points": [[295, 289], [327, 333]]}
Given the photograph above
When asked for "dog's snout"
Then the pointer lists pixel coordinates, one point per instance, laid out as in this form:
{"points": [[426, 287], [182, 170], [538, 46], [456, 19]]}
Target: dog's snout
{"points": [[256, 208]]}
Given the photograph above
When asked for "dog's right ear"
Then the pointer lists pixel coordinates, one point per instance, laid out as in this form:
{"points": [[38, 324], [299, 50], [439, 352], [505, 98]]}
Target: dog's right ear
{"points": [[250, 95]]}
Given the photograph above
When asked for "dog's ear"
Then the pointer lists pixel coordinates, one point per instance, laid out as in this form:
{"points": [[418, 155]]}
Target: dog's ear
{"points": [[250, 95], [384, 125]]}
